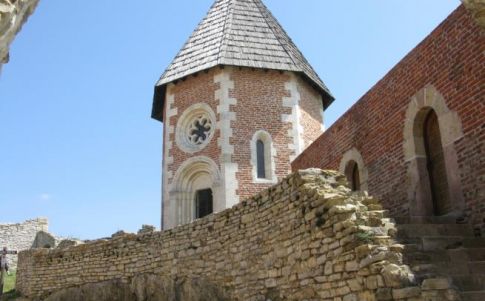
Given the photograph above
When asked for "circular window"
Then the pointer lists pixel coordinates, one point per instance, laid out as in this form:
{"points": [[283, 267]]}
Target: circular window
{"points": [[195, 128]]}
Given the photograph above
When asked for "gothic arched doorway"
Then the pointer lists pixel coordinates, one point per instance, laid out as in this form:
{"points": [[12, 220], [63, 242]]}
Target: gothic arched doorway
{"points": [[433, 182], [435, 165], [352, 174]]}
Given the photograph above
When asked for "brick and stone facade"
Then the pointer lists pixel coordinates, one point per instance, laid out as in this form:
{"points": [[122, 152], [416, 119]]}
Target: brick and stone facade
{"points": [[214, 114], [243, 101], [443, 74]]}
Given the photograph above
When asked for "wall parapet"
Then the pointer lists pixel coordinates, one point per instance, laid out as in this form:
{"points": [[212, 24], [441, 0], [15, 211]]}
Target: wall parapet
{"points": [[308, 237]]}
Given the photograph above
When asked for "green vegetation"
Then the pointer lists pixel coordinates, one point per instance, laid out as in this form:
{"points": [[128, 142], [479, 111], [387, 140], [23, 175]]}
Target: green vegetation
{"points": [[366, 237], [9, 287], [10, 282]]}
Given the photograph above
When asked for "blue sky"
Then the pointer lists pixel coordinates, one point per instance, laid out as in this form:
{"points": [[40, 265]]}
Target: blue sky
{"points": [[77, 144]]}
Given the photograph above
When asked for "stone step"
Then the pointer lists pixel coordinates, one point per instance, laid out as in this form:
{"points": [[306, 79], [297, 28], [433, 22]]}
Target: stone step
{"points": [[477, 242], [431, 243], [422, 230], [435, 243], [442, 268], [419, 257], [477, 267], [469, 282], [415, 255], [466, 254], [476, 254], [473, 296], [426, 220]]}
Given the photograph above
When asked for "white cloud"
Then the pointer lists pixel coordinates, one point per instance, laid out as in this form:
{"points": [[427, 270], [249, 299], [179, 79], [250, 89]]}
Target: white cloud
{"points": [[45, 196]]}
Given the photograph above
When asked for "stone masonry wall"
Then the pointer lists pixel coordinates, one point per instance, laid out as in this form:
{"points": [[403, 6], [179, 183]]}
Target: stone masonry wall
{"points": [[13, 14], [20, 236], [451, 60], [307, 238]]}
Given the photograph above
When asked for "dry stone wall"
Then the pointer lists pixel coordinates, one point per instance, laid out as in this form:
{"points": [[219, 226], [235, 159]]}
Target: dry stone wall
{"points": [[307, 238], [20, 236]]}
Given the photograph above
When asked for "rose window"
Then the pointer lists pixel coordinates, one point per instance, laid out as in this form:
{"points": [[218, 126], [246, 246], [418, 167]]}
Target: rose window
{"points": [[199, 130], [195, 128]]}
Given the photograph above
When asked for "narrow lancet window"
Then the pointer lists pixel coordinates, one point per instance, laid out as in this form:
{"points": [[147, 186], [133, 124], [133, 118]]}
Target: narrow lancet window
{"points": [[260, 159]]}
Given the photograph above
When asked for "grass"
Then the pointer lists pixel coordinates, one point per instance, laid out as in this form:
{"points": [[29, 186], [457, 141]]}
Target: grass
{"points": [[10, 282], [9, 286]]}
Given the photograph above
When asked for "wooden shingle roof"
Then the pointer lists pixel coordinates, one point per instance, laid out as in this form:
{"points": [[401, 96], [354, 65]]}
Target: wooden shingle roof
{"points": [[240, 33]]}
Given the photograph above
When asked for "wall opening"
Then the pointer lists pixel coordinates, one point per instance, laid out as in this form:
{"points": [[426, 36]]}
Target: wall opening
{"points": [[353, 167], [435, 165], [352, 174], [263, 156], [203, 203], [260, 160], [433, 179], [195, 192]]}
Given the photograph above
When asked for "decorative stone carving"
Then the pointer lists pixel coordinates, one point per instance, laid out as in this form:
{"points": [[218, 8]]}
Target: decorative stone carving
{"points": [[195, 128]]}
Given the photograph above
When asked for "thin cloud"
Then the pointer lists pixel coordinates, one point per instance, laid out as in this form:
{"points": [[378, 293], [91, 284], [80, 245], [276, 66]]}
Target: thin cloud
{"points": [[45, 196]]}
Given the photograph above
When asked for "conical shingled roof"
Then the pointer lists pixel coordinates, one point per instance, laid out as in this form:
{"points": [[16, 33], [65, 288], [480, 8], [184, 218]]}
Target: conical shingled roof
{"points": [[240, 33]]}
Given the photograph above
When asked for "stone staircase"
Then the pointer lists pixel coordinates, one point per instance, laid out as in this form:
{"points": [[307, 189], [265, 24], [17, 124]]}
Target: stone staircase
{"points": [[438, 248]]}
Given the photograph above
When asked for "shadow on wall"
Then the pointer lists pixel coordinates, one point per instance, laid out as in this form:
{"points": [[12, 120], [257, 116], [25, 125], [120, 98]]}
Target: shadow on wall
{"points": [[145, 287]]}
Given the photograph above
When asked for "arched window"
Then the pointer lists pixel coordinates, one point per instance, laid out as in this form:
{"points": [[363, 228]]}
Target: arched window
{"points": [[260, 159]]}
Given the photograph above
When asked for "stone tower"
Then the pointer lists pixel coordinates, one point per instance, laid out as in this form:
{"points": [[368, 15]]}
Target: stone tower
{"points": [[239, 102]]}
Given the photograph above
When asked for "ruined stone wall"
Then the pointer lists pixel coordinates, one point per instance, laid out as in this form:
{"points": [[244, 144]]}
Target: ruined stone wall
{"points": [[20, 236], [444, 72], [307, 238], [13, 14]]}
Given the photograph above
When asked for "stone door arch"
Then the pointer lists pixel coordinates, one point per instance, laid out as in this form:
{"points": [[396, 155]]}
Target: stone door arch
{"points": [[353, 167], [195, 174], [430, 130]]}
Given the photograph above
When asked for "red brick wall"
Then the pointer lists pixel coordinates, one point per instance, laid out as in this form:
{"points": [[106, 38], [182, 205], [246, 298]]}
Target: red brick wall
{"points": [[451, 59], [259, 97]]}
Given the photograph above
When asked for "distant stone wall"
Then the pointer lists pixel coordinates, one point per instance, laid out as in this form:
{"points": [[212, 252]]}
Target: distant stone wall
{"points": [[13, 14], [307, 238], [20, 236]]}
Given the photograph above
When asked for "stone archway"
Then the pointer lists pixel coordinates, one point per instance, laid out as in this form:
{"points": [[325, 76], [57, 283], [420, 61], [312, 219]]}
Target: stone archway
{"points": [[427, 103], [353, 167], [196, 174]]}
